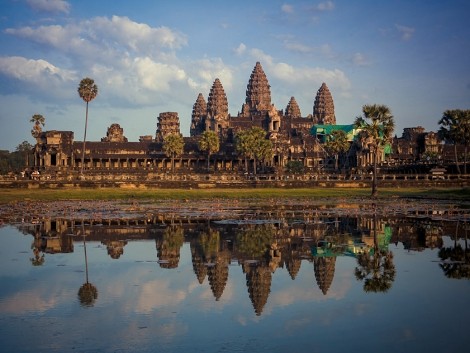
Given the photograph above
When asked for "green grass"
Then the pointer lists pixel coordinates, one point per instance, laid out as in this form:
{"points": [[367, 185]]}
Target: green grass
{"points": [[12, 195]]}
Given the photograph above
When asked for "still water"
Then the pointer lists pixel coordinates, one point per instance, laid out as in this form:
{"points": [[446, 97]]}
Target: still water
{"points": [[323, 284]]}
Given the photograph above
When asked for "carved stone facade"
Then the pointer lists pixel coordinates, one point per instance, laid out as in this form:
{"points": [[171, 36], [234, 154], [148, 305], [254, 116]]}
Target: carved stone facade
{"points": [[168, 123], [292, 109], [290, 134], [324, 108], [258, 93], [115, 133], [198, 116]]}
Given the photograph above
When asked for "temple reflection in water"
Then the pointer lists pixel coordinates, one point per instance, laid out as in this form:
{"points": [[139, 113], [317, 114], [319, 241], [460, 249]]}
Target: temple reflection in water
{"points": [[262, 247]]}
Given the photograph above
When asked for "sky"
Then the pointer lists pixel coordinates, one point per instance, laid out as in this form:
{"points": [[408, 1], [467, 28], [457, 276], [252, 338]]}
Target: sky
{"points": [[149, 57]]}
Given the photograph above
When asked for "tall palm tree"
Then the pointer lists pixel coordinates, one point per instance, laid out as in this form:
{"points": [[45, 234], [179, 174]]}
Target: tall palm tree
{"points": [[377, 125], [173, 146], [209, 142], [455, 129], [87, 90], [38, 121]]}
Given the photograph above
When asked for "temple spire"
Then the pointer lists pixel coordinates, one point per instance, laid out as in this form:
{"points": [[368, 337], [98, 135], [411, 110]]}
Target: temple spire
{"points": [[258, 92], [323, 108]]}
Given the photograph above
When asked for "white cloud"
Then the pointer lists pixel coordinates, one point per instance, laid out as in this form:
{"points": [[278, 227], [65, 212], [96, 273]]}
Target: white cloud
{"points": [[205, 71], [49, 5], [129, 61], [405, 32], [287, 8], [103, 35], [156, 76], [240, 50], [35, 71], [136, 36], [298, 76], [325, 6]]}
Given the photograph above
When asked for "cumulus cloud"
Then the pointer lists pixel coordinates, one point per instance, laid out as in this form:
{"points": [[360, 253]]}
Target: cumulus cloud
{"points": [[206, 70], [49, 5], [104, 34], [302, 75], [130, 60], [240, 50], [405, 32], [287, 8], [36, 71]]}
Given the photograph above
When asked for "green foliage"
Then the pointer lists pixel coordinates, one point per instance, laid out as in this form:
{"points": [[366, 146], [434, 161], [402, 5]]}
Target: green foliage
{"points": [[173, 238], [337, 144], [255, 242], [455, 129], [209, 242], [173, 146], [87, 89], [38, 121], [16, 161], [253, 144], [377, 125], [455, 126], [295, 167], [209, 142]]}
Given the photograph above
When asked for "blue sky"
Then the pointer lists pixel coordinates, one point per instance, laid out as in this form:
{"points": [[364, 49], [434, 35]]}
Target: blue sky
{"points": [[149, 57]]}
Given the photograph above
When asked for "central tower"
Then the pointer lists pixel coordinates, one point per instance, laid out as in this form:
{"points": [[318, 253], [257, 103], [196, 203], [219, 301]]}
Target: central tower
{"points": [[258, 93]]}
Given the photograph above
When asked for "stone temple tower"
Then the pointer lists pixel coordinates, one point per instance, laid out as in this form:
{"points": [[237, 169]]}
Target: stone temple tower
{"points": [[217, 108], [292, 109], [168, 123], [323, 108], [258, 93], [198, 116]]}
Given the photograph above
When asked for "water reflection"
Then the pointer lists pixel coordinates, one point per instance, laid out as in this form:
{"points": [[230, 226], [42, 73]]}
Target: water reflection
{"points": [[261, 248]]}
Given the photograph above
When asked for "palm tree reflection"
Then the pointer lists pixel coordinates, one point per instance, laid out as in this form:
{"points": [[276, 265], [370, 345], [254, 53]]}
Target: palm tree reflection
{"points": [[376, 268], [87, 293], [456, 260]]}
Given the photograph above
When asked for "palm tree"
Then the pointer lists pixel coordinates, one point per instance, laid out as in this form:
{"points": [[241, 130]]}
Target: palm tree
{"points": [[264, 151], [252, 144], [337, 144], [377, 125], [38, 121], [455, 129], [173, 146], [87, 90], [209, 142]]}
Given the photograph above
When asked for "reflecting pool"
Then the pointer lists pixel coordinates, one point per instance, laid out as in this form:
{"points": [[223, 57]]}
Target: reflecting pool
{"points": [[290, 281]]}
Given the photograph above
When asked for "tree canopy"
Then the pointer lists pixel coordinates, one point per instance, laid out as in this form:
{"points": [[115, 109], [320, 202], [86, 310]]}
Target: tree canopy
{"points": [[337, 144], [209, 143], [455, 129], [253, 144], [173, 146]]}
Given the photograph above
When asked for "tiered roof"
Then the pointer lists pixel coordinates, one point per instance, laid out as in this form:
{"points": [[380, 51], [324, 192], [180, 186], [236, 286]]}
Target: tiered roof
{"points": [[323, 108], [292, 109]]}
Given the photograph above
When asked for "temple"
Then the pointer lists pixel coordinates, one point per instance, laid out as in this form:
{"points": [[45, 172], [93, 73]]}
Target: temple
{"points": [[295, 139]]}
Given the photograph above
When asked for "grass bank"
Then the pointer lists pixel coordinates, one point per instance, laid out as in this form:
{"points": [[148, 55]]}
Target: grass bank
{"points": [[12, 195]]}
